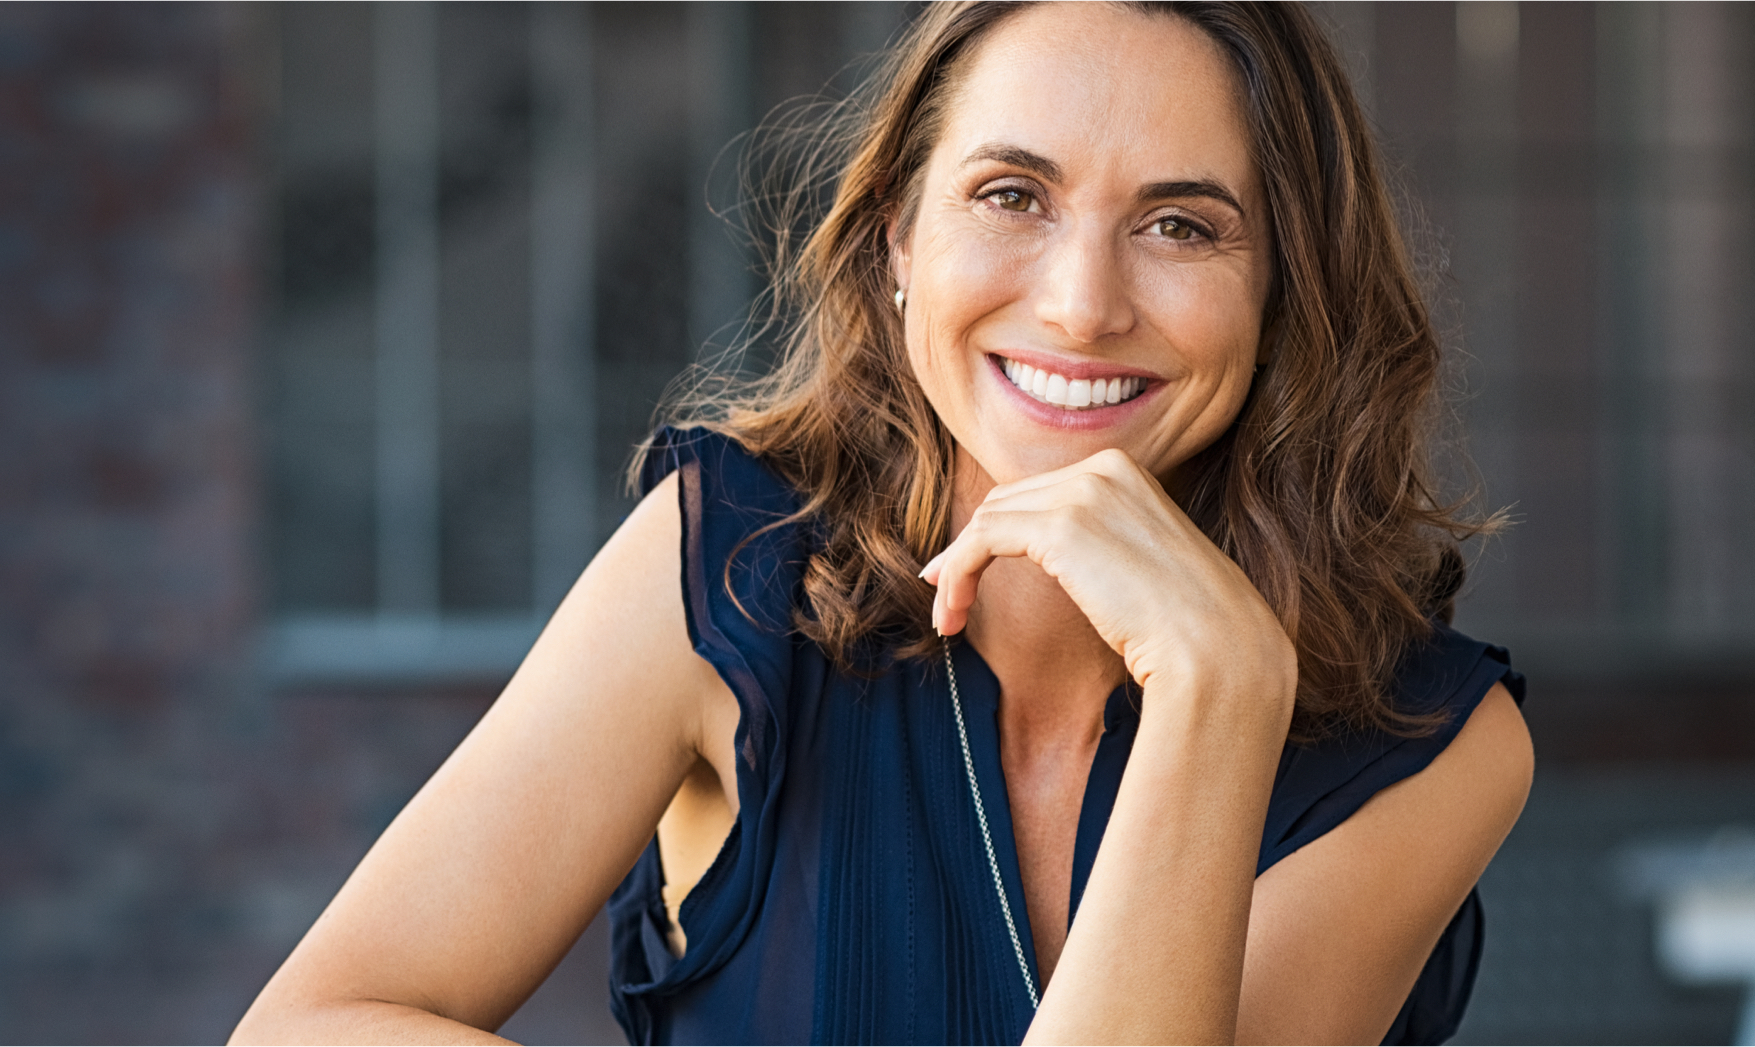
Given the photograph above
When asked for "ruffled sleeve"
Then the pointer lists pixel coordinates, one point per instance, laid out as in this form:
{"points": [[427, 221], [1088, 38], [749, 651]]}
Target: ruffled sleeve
{"points": [[741, 570], [740, 574], [1319, 786]]}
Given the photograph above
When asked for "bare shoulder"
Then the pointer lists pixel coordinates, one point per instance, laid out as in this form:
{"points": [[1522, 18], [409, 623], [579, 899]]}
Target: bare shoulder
{"points": [[1491, 758], [1340, 930], [481, 884], [617, 649], [629, 596], [1468, 799]]}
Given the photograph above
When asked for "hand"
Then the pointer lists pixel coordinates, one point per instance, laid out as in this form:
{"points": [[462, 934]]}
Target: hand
{"points": [[1154, 587]]}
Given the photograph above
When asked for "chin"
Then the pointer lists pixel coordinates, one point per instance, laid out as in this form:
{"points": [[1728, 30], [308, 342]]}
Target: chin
{"points": [[1022, 460]]}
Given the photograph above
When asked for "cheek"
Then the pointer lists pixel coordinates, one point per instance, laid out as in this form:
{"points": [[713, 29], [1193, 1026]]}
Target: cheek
{"points": [[1212, 317], [1212, 321], [955, 282], [965, 273]]}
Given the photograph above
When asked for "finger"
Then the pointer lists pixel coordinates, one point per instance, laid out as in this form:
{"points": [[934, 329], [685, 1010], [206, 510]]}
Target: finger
{"points": [[1112, 508], [930, 571], [1135, 505], [1037, 498], [1078, 489], [990, 536], [1113, 462]]}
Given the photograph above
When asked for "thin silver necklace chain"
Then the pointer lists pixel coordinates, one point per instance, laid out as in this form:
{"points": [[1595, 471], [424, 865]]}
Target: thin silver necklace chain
{"points": [[1005, 905]]}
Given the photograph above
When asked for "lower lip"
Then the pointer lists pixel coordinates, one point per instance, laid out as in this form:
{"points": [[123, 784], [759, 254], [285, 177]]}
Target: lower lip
{"points": [[1083, 419]]}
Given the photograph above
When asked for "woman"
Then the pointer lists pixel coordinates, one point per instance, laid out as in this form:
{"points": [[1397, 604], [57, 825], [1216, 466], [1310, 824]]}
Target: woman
{"points": [[1108, 328]]}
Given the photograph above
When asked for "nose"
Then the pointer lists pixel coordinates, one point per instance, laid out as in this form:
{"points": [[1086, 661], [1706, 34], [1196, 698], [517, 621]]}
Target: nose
{"points": [[1084, 291]]}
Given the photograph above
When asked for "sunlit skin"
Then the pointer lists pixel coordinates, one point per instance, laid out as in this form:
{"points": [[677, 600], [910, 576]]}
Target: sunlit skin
{"points": [[1090, 208], [1094, 222], [1086, 219], [1093, 218]]}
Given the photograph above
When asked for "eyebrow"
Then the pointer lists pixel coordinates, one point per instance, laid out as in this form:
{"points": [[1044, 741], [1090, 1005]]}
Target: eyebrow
{"points": [[1209, 190], [1014, 156], [1036, 163]]}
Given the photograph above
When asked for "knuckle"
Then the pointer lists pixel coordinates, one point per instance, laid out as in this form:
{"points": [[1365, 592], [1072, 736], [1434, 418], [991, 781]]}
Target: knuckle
{"points": [[1067, 522], [1094, 486], [1113, 458]]}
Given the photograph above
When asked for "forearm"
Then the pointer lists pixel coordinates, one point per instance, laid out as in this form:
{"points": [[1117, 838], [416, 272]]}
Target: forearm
{"points": [[1156, 951], [352, 1021]]}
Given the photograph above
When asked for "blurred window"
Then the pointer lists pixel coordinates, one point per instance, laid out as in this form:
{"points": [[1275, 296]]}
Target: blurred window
{"points": [[492, 250], [430, 372]]}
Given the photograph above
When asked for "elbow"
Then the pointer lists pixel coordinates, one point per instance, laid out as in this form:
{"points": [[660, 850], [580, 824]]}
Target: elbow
{"points": [[279, 1017], [268, 1021], [282, 1016], [286, 1018]]}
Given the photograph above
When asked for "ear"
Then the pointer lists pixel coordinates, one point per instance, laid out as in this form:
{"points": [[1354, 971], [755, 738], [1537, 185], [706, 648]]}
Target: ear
{"points": [[901, 263]]}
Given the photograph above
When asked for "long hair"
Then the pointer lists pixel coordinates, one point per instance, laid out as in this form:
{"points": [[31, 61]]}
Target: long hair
{"points": [[1321, 490]]}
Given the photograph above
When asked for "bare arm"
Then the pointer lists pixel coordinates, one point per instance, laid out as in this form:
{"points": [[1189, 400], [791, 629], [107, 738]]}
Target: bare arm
{"points": [[1176, 940], [1156, 954], [482, 883], [1336, 933], [1341, 929], [1157, 951]]}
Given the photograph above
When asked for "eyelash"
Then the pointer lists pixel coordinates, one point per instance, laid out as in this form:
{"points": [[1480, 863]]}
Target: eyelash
{"points": [[1200, 231], [1002, 190], [1196, 228]]}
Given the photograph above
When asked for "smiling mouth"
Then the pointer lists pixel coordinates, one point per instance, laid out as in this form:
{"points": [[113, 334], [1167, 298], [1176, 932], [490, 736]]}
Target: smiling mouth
{"points": [[1071, 394]]}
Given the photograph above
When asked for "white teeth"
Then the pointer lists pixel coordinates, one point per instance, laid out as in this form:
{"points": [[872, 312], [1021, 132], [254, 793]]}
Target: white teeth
{"points": [[1070, 393]]}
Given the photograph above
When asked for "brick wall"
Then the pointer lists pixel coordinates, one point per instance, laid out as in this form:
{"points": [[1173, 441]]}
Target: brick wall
{"points": [[166, 830], [126, 496]]}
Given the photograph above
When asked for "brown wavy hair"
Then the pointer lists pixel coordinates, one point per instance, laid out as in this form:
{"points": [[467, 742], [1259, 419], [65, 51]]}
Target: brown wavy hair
{"points": [[1321, 490]]}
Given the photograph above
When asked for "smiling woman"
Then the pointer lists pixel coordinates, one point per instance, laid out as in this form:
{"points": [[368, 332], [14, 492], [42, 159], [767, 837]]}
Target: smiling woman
{"points": [[1060, 649]]}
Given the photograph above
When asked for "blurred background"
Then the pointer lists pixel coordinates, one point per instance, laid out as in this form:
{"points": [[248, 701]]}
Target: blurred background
{"points": [[327, 329]]}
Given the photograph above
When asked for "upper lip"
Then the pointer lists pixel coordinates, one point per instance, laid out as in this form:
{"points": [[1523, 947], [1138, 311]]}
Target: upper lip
{"points": [[1073, 368]]}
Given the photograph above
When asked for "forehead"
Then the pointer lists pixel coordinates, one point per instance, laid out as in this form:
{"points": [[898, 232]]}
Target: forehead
{"points": [[1106, 85]]}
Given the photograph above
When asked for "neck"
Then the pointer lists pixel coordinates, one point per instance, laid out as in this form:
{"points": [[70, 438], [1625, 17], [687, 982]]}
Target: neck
{"points": [[1055, 672]]}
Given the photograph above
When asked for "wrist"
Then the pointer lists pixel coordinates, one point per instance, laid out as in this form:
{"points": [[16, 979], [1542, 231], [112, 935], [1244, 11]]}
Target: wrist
{"points": [[1244, 690]]}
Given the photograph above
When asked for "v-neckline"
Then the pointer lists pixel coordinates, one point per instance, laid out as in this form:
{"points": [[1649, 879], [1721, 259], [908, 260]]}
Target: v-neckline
{"points": [[1102, 782]]}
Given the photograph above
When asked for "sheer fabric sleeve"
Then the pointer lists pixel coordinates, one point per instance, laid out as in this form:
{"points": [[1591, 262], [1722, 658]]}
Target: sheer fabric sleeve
{"points": [[740, 580]]}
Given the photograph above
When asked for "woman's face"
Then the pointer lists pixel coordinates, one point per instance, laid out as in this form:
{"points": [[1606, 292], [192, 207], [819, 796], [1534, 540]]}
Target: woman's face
{"points": [[1091, 230]]}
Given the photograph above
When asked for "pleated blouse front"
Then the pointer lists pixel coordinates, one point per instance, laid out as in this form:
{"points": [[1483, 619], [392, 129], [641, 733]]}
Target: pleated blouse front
{"points": [[853, 901]]}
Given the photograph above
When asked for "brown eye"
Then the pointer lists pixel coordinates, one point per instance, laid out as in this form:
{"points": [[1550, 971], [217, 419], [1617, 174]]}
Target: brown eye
{"points": [[1175, 228], [1012, 200]]}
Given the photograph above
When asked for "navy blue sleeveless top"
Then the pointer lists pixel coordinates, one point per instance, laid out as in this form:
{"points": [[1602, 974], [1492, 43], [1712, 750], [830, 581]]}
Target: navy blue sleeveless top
{"points": [[852, 901]]}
